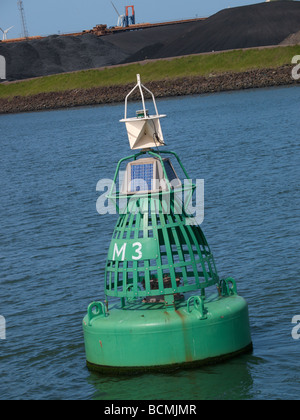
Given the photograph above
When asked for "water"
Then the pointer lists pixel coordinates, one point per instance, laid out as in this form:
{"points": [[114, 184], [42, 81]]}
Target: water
{"points": [[54, 243]]}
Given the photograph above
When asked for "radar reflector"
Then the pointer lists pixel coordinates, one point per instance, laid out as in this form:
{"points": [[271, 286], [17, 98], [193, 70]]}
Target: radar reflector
{"points": [[144, 130]]}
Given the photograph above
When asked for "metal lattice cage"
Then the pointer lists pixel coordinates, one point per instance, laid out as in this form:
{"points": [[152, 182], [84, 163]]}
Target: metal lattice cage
{"points": [[155, 253]]}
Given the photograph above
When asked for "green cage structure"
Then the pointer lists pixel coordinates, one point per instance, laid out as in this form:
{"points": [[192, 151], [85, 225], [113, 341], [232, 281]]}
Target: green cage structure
{"points": [[166, 306]]}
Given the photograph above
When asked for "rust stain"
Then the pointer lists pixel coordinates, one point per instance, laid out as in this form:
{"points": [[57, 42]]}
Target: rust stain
{"points": [[188, 353], [167, 317], [100, 343], [180, 315]]}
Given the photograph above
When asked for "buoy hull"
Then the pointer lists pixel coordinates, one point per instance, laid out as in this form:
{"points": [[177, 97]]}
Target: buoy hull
{"points": [[144, 337]]}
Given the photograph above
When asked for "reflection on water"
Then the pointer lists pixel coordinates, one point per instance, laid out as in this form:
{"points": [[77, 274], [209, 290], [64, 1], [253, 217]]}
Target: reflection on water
{"points": [[231, 380]]}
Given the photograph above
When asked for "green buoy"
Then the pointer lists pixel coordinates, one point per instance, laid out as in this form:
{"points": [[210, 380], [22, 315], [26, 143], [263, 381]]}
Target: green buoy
{"points": [[166, 306]]}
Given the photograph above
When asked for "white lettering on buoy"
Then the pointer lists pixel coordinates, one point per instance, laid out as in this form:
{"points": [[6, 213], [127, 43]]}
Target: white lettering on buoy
{"points": [[138, 251], [118, 252], [121, 253]]}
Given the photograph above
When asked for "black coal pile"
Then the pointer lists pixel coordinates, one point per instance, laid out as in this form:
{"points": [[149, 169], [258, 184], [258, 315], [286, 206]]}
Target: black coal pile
{"points": [[58, 54], [241, 27]]}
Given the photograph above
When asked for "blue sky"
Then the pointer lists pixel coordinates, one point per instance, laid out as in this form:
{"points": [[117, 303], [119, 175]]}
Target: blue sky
{"points": [[46, 17]]}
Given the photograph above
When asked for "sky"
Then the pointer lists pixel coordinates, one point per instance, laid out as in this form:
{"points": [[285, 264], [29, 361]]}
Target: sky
{"points": [[48, 17]]}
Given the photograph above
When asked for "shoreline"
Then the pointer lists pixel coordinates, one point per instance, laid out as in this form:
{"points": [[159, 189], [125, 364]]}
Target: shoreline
{"points": [[181, 86]]}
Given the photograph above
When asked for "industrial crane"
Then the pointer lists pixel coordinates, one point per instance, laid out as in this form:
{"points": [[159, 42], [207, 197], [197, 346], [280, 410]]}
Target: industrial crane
{"points": [[125, 20]]}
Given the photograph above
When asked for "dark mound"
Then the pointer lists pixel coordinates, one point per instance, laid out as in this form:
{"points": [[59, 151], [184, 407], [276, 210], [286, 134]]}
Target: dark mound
{"points": [[58, 54], [241, 27]]}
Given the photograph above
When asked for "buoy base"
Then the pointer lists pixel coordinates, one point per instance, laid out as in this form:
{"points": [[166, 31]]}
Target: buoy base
{"points": [[150, 337], [135, 370]]}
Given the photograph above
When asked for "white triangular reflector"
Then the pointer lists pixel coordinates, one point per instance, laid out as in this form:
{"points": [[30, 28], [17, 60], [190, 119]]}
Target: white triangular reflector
{"points": [[144, 133]]}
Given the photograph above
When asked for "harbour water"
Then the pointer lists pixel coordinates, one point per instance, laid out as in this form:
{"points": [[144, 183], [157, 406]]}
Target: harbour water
{"points": [[245, 145]]}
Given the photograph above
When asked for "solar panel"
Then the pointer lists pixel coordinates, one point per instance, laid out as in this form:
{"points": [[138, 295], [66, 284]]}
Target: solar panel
{"points": [[146, 175], [141, 177], [169, 170], [171, 173]]}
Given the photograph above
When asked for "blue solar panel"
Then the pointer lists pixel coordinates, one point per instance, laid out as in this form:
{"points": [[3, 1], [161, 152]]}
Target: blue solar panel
{"points": [[171, 174], [141, 177], [169, 170]]}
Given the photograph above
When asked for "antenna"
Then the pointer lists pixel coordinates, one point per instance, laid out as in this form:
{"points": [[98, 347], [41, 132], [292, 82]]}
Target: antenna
{"points": [[21, 8], [5, 33]]}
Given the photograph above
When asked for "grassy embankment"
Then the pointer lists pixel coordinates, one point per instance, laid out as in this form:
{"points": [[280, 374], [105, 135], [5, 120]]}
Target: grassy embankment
{"points": [[203, 64]]}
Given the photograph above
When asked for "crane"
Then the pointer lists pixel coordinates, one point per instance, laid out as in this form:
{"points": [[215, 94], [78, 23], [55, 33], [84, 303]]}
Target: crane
{"points": [[130, 20], [24, 26], [125, 20]]}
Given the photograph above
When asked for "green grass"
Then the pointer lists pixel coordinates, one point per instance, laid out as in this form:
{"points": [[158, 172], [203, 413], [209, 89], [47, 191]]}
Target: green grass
{"points": [[204, 64]]}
